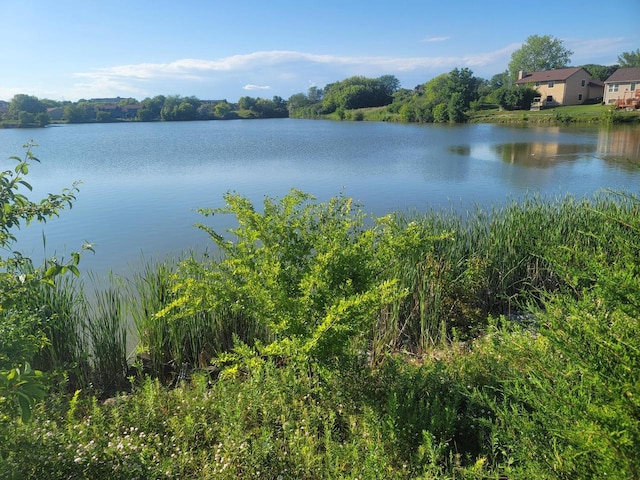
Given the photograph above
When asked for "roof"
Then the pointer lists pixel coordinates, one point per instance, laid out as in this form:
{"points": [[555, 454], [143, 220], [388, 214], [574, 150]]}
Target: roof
{"points": [[625, 75], [550, 75]]}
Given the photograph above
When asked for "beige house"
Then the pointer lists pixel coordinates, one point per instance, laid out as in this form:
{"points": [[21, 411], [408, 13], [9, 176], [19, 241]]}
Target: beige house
{"points": [[565, 86], [622, 88]]}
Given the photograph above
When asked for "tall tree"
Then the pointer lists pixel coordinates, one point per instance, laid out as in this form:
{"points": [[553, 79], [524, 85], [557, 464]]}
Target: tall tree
{"points": [[539, 53], [25, 103], [600, 72], [629, 59]]}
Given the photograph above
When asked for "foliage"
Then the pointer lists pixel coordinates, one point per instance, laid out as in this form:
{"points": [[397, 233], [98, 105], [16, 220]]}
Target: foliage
{"points": [[22, 387], [425, 387], [28, 110], [306, 272], [629, 59], [539, 53], [24, 319], [515, 98], [278, 422], [600, 72], [359, 92]]}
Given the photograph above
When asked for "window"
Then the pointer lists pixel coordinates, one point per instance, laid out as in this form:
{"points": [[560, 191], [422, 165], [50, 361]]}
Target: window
{"points": [[537, 84], [613, 87], [583, 83], [550, 99], [632, 87], [579, 97], [550, 85]]}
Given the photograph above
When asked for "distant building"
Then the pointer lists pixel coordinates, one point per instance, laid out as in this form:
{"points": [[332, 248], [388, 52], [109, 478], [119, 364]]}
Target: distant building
{"points": [[565, 86], [55, 113], [622, 88]]}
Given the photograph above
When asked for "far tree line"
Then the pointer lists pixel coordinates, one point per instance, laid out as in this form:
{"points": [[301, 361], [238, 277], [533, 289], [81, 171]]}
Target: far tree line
{"points": [[26, 110], [445, 98]]}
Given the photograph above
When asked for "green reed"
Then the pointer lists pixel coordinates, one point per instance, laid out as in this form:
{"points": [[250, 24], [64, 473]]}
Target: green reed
{"points": [[487, 262], [457, 269], [170, 346], [107, 326]]}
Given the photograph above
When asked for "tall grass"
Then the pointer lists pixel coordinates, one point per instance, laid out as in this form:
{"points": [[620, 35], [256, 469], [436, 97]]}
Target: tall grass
{"points": [[486, 263], [171, 346], [107, 326], [555, 399], [458, 270]]}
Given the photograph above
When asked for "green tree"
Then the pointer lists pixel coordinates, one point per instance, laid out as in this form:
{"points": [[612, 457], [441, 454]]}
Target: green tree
{"points": [[539, 53], [435, 90], [169, 107], [359, 92], [629, 59], [103, 116], [247, 103], [223, 109], [80, 112], [25, 103], [26, 118], [297, 101], [315, 94], [462, 82], [389, 84], [456, 108], [515, 98], [600, 72], [151, 108], [42, 119], [500, 80]]}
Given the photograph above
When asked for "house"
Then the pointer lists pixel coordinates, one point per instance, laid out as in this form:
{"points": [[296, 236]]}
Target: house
{"points": [[565, 86], [55, 113], [622, 88]]}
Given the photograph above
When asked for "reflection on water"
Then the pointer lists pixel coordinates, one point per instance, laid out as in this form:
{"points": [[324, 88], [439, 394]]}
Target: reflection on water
{"points": [[542, 155], [619, 144], [143, 181], [460, 149]]}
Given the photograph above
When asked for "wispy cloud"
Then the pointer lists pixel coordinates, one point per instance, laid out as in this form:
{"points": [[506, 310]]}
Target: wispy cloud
{"points": [[587, 49], [277, 70], [252, 62], [256, 87], [435, 39]]}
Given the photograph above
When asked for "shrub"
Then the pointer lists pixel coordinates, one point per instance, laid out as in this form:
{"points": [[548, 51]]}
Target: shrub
{"points": [[306, 272]]}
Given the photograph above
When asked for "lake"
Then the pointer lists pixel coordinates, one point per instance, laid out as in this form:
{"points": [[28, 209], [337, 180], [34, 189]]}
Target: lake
{"points": [[143, 181]]}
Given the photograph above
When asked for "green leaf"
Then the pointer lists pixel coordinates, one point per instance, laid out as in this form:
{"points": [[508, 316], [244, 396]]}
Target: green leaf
{"points": [[52, 271], [25, 408], [73, 269], [27, 185]]}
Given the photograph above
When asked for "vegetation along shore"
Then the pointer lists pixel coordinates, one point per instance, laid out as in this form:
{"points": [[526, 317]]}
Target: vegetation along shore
{"points": [[453, 97], [319, 342]]}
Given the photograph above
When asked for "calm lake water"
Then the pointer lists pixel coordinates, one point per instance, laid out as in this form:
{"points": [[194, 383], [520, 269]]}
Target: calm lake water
{"points": [[143, 181]]}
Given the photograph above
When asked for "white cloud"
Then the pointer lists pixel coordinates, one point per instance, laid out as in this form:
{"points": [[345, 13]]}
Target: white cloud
{"points": [[197, 69], [256, 87], [281, 71], [435, 39], [588, 50]]}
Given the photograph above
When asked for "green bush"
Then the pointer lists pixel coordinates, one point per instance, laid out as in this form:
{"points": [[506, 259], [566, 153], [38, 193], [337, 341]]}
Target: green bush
{"points": [[306, 272]]}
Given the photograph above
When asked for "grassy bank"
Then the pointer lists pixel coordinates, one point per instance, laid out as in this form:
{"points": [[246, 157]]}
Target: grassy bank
{"points": [[576, 114], [324, 344]]}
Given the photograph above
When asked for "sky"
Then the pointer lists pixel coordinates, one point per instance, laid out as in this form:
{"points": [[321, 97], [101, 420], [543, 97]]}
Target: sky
{"points": [[219, 49]]}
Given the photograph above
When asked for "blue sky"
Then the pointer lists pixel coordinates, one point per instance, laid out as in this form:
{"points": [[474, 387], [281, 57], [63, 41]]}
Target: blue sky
{"points": [[215, 49]]}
